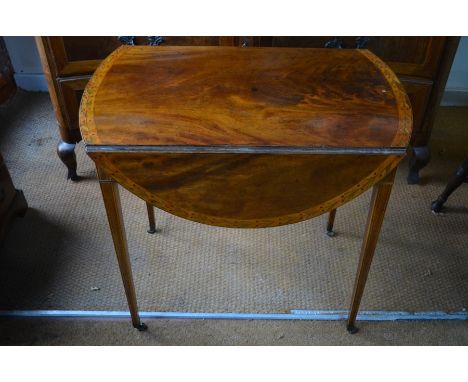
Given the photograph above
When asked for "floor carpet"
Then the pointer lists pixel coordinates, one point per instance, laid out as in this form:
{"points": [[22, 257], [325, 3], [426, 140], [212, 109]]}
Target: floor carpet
{"points": [[60, 255], [228, 333]]}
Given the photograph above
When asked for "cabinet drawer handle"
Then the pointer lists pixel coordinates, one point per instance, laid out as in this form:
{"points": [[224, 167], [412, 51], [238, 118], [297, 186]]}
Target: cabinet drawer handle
{"points": [[155, 40], [2, 194], [131, 40], [335, 43], [127, 40], [361, 42]]}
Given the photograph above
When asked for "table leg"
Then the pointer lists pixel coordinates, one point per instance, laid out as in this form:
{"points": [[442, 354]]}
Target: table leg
{"points": [[331, 221], [110, 194], [151, 219], [380, 197]]}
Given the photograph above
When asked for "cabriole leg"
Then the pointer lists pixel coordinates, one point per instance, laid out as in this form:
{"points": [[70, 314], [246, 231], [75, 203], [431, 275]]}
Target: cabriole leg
{"points": [[380, 197], [420, 158], [459, 177], [111, 197], [66, 153]]}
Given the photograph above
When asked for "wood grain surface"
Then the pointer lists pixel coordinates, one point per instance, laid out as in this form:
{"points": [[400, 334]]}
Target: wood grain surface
{"points": [[146, 105], [217, 96], [246, 190]]}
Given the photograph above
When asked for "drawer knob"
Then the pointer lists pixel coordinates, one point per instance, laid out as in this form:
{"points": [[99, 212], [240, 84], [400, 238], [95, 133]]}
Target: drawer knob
{"points": [[155, 40], [127, 40], [335, 43], [361, 42]]}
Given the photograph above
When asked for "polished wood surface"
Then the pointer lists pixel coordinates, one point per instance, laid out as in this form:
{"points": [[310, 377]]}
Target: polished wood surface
{"points": [[147, 98], [48, 65], [211, 96], [245, 138], [422, 64], [246, 190]]}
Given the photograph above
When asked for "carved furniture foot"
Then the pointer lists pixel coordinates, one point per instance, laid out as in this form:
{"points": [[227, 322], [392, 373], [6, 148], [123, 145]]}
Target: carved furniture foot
{"points": [[66, 153], [460, 176], [420, 157]]}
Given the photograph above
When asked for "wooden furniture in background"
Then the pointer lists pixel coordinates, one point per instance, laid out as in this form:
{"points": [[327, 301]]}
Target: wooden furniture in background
{"points": [[284, 135], [456, 181], [12, 201], [421, 63], [7, 81]]}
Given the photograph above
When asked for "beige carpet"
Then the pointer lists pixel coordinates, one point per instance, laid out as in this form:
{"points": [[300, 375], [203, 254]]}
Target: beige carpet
{"points": [[61, 252], [227, 332]]}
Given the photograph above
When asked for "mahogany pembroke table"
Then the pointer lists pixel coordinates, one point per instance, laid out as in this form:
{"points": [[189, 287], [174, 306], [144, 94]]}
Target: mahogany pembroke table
{"points": [[245, 137]]}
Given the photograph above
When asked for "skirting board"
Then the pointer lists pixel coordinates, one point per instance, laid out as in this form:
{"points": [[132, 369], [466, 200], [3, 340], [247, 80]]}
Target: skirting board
{"points": [[313, 315], [31, 82], [455, 97]]}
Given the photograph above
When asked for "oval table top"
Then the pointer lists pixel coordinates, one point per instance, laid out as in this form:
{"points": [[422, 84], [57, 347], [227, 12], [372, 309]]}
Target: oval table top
{"points": [[245, 137], [228, 96]]}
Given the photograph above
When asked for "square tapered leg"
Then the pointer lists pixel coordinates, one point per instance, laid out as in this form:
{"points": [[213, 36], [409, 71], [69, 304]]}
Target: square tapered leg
{"points": [[380, 196], [111, 197]]}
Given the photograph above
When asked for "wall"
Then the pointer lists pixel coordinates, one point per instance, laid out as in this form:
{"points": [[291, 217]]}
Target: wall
{"points": [[456, 90], [29, 75], [26, 63]]}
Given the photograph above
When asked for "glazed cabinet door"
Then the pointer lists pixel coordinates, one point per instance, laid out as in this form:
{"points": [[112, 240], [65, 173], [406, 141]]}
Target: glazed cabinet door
{"points": [[411, 56], [73, 55]]}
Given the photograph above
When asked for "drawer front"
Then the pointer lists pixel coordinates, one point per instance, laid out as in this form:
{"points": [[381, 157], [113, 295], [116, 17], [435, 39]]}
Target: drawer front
{"points": [[418, 93], [411, 56], [72, 90], [75, 55]]}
